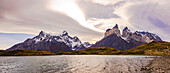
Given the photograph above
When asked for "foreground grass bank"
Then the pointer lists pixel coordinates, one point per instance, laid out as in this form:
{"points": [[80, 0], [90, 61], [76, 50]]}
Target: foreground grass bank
{"points": [[94, 51], [25, 52], [153, 48]]}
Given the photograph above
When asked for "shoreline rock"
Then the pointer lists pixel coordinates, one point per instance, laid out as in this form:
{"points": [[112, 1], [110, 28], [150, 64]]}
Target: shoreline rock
{"points": [[158, 65]]}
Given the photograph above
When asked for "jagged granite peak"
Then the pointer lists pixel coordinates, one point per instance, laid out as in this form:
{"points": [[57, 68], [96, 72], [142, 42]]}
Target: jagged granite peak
{"points": [[126, 29], [45, 41], [114, 30], [125, 33], [64, 33], [43, 33], [116, 26], [76, 39]]}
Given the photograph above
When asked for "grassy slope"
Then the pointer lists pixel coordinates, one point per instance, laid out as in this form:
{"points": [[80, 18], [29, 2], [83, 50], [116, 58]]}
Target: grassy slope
{"points": [[94, 51], [26, 53], [153, 48]]}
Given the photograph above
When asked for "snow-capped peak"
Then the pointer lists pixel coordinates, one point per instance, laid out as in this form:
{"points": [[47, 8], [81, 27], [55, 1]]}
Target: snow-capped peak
{"points": [[87, 44], [148, 37], [126, 29], [64, 33], [42, 33], [76, 39]]}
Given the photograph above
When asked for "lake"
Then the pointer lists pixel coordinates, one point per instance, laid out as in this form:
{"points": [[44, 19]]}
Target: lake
{"points": [[74, 64]]}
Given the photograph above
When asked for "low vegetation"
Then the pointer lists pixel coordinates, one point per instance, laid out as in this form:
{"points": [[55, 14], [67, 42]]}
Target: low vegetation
{"points": [[94, 51], [2, 50], [25, 52]]}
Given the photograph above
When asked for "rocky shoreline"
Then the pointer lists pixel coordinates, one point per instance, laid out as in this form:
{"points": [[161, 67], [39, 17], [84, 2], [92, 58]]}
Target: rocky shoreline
{"points": [[158, 65]]}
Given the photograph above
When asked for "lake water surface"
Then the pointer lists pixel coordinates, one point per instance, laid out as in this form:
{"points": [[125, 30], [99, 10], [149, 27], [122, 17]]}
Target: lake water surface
{"points": [[74, 64]]}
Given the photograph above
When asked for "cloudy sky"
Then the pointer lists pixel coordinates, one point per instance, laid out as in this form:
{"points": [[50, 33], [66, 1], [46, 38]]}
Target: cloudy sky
{"points": [[87, 19]]}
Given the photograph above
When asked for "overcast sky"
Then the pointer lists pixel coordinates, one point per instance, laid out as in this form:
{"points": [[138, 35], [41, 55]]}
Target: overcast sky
{"points": [[87, 19]]}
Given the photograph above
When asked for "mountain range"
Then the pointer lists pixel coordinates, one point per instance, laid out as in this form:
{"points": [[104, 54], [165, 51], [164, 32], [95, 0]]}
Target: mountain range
{"points": [[113, 38], [65, 43], [45, 41]]}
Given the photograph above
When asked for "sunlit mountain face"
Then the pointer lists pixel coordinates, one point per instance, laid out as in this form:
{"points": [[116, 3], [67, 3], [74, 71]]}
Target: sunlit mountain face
{"points": [[87, 19]]}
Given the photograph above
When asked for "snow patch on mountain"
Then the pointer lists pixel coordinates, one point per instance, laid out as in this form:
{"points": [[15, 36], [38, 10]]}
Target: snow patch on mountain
{"points": [[87, 44]]}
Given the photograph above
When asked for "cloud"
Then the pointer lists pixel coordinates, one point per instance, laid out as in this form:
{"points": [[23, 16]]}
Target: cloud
{"points": [[151, 15], [106, 2], [32, 16], [95, 10], [71, 9]]}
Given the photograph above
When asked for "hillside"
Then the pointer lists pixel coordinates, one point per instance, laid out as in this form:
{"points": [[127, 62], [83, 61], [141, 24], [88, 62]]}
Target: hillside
{"points": [[24, 52], [94, 51], [153, 48]]}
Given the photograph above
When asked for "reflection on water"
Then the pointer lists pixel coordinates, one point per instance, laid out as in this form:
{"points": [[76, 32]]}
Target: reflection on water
{"points": [[73, 64]]}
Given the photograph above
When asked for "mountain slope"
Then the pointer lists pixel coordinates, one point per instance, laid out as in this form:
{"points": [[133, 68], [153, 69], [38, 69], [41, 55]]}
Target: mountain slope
{"points": [[44, 41]]}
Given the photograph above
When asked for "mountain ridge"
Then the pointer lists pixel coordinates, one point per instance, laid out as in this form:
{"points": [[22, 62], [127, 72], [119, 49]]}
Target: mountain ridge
{"points": [[45, 41]]}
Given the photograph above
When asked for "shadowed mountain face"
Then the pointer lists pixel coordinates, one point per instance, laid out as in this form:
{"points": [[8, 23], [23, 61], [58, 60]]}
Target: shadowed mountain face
{"points": [[113, 41], [127, 40], [44, 41]]}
